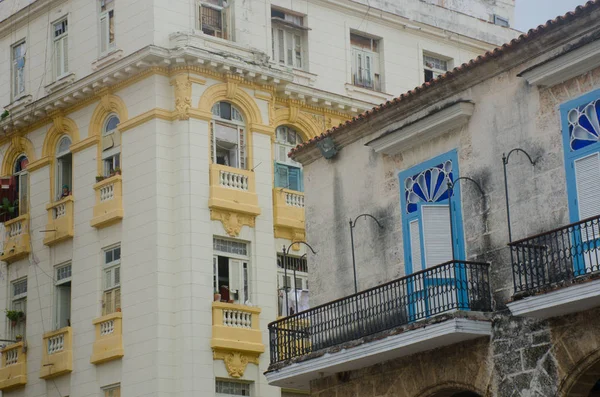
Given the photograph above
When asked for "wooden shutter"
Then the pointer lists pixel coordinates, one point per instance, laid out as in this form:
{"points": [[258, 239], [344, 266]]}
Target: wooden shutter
{"points": [[213, 147], [415, 245], [65, 43], [436, 234], [281, 176], [294, 177], [235, 278], [58, 56], [104, 32], [242, 146]]}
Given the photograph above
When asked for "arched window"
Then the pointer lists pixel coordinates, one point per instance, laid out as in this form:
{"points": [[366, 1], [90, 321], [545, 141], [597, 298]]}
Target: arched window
{"points": [[288, 173], [111, 146], [228, 136], [64, 168]]}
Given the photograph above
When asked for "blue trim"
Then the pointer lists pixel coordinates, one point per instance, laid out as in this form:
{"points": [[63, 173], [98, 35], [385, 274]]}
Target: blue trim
{"points": [[457, 222]]}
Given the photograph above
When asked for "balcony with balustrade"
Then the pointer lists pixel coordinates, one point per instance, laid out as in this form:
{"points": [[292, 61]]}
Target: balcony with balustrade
{"points": [[109, 202], [57, 353], [16, 239], [13, 373], [109, 338], [557, 272], [436, 307], [236, 332], [288, 214], [60, 221], [233, 190]]}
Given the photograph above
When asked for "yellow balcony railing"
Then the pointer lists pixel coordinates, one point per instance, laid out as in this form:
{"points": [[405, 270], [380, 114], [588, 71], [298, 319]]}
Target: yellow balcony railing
{"points": [[60, 221], [288, 214], [57, 357], [109, 202], [236, 327], [109, 338], [17, 239], [13, 373], [233, 189]]}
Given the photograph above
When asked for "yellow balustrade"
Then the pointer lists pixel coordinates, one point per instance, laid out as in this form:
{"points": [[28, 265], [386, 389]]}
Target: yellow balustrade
{"points": [[57, 356], [288, 214], [13, 373], [17, 239], [109, 338], [233, 189], [60, 221], [236, 336], [109, 202]]}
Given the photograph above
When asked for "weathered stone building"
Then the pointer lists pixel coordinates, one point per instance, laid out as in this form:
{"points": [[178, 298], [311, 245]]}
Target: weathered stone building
{"points": [[456, 301]]}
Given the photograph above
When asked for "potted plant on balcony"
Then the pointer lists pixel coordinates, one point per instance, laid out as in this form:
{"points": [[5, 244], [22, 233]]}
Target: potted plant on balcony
{"points": [[14, 316], [18, 338], [116, 171], [8, 208], [100, 178], [217, 297]]}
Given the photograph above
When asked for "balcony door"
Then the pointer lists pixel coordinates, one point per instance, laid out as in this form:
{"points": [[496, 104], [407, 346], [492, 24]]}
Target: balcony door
{"points": [[581, 131], [428, 239]]}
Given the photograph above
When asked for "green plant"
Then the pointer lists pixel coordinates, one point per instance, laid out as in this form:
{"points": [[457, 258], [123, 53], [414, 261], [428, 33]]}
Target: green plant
{"points": [[8, 207], [100, 178], [19, 337], [14, 315]]}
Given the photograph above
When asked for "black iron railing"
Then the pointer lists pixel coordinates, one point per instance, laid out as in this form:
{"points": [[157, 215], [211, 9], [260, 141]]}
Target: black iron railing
{"points": [[556, 257], [454, 285]]}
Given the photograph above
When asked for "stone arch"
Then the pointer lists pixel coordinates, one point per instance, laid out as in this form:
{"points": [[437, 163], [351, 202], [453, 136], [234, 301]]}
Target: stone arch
{"points": [[18, 146], [453, 388], [108, 104], [62, 126], [297, 120], [582, 378], [230, 92]]}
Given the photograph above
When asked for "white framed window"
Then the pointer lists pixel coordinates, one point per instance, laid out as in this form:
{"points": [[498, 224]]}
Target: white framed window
{"points": [[434, 66], [62, 304], [111, 146], [111, 301], [288, 37], [365, 62], [229, 388], [112, 391], [61, 48], [215, 18], [288, 173], [18, 69], [21, 184], [107, 26], [501, 21], [64, 168], [231, 270], [19, 305], [228, 136]]}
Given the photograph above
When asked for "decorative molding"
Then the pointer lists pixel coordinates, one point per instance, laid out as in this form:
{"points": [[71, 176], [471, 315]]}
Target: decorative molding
{"points": [[107, 59], [36, 165], [241, 99], [300, 121], [424, 129], [235, 361], [60, 83], [232, 221], [156, 113], [85, 143], [564, 67], [183, 95], [18, 145], [61, 125]]}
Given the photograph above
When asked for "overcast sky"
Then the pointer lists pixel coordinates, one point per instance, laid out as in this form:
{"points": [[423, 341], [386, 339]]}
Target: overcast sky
{"points": [[531, 13]]}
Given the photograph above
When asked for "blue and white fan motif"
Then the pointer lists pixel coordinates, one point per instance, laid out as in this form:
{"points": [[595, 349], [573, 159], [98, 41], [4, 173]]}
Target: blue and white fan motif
{"points": [[430, 186], [584, 125]]}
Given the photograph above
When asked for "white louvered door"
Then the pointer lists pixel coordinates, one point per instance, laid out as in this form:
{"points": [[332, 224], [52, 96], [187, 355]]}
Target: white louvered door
{"points": [[587, 178]]}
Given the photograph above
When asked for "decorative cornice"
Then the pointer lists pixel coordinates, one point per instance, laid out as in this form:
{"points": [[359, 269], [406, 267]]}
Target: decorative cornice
{"points": [[156, 113]]}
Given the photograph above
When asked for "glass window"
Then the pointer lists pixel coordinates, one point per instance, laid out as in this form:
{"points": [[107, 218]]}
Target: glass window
{"points": [[288, 38], [18, 70], [18, 308], [62, 308], [111, 301], [228, 136], [365, 62], [230, 246], [111, 146], [288, 173], [232, 388], [61, 49], [64, 168], [107, 25], [215, 18], [434, 66]]}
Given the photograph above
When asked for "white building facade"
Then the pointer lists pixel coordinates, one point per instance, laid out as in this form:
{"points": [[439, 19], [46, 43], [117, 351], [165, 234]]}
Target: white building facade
{"points": [[144, 172]]}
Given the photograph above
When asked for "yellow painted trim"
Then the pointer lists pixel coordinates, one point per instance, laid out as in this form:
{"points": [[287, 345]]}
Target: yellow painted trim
{"points": [[61, 362], [109, 346], [200, 115], [14, 375], [262, 129], [230, 92], [59, 229], [36, 165], [156, 113], [298, 121], [198, 80], [108, 211], [84, 144], [18, 146], [61, 126], [265, 96], [288, 220], [18, 246], [236, 346]]}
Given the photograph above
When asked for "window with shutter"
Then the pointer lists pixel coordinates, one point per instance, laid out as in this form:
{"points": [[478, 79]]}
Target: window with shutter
{"points": [[111, 299], [288, 173], [19, 304], [61, 48], [215, 18], [288, 38], [365, 61], [112, 391], [228, 136], [231, 270], [18, 70], [436, 234], [107, 26]]}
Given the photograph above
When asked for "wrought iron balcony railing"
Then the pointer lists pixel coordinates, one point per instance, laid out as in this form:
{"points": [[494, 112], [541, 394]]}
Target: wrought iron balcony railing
{"points": [[556, 257], [454, 285]]}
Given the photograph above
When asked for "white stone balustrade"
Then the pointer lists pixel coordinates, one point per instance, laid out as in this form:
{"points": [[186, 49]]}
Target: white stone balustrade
{"points": [[232, 180], [237, 318], [294, 199]]}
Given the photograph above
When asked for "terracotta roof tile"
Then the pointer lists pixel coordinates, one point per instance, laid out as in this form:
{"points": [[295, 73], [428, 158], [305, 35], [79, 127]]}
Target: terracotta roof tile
{"points": [[495, 53]]}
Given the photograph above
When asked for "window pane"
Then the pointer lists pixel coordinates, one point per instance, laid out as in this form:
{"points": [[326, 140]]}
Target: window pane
{"points": [[117, 253], [111, 124], [20, 287], [108, 256], [280, 40], [225, 111], [230, 246], [289, 43], [64, 146]]}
